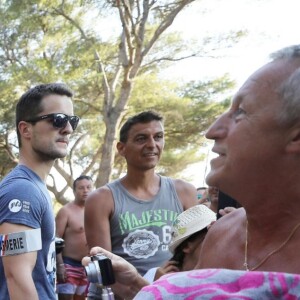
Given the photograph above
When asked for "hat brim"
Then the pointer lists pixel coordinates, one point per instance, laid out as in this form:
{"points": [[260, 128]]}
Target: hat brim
{"points": [[205, 219]]}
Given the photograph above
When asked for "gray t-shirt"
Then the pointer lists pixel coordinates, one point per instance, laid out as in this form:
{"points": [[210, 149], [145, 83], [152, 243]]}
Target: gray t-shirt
{"points": [[24, 199]]}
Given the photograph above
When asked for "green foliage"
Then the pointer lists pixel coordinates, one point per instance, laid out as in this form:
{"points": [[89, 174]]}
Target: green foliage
{"points": [[52, 40], [188, 110]]}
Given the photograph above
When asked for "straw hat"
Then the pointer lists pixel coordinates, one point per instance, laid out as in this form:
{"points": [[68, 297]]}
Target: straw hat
{"points": [[189, 222]]}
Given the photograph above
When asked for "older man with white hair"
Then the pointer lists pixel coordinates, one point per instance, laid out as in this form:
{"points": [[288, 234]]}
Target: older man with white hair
{"points": [[250, 252]]}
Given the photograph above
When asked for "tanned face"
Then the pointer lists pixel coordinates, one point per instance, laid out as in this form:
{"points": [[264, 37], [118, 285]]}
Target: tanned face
{"points": [[144, 145], [248, 138]]}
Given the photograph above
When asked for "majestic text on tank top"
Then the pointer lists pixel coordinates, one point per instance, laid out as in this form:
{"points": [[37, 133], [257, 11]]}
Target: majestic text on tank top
{"points": [[141, 230]]}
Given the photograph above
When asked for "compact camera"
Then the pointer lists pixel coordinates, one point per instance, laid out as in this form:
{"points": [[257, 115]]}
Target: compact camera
{"points": [[99, 270]]}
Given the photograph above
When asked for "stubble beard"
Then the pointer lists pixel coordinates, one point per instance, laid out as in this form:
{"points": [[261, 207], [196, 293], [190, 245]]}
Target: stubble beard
{"points": [[50, 155]]}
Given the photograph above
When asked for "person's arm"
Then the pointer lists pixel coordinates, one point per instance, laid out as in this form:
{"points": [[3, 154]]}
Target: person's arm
{"points": [[18, 268], [187, 193], [98, 209], [61, 221], [128, 281]]}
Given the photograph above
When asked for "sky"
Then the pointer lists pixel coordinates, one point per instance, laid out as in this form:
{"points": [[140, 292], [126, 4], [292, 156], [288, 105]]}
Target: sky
{"points": [[271, 25]]}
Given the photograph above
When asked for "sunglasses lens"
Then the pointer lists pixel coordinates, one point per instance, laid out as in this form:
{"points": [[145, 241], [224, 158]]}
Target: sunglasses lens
{"points": [[74, 121], [60, 120]]}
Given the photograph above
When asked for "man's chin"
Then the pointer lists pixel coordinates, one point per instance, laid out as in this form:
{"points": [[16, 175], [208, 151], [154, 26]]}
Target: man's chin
{"points": [[62, 152], [211, 178], [58, 154]]}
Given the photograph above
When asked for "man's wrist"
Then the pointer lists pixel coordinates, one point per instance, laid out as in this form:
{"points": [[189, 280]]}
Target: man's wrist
{"points": [[138, 283], [60, 265]]}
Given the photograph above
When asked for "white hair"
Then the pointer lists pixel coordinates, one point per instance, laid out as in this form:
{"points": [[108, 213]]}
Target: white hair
{"points": [[289, 90]]}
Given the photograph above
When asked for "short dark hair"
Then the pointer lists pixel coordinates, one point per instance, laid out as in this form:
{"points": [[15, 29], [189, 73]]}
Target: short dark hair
{"points": [[179, 253], [81, 177], [29, 105], [143, 117], [202, 188]]}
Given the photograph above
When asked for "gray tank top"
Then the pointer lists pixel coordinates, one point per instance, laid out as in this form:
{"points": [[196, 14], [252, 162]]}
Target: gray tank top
{"points": [[141, 230]]}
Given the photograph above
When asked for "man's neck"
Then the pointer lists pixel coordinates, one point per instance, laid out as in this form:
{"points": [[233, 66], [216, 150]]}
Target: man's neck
{"points": [[142, 187], [79, 203], [141, 180], [42, 169]]}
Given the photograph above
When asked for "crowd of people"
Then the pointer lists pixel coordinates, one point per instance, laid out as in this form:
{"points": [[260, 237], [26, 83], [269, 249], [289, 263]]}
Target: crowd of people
{"points": [[165, 238]]}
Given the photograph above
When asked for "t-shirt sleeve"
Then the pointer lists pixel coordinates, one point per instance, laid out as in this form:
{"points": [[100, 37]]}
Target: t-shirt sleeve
{"points": [[21, 203]]}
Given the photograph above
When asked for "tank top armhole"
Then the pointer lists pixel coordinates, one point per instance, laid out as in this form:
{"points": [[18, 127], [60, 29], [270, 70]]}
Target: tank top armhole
{"points": [[170, 184], [113, 186]]}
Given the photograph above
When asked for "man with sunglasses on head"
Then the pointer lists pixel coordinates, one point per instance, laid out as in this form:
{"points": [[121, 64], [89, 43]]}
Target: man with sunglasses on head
{"points": [[250, 253], [44, 122]]}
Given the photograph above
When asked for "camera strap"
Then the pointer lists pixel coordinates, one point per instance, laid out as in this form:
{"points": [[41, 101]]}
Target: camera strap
{"points": [[20, 242]]}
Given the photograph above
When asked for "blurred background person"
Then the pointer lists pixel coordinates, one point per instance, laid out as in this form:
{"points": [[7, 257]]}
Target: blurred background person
{"points": [[71, 278], [218, 202], [201, 191], [210, 198], [213, 196]]}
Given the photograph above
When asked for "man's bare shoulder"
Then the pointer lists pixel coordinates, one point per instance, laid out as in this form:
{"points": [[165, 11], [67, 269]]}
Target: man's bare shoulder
{"points": [[63, 211], [228, 222], [219, 241], [100, 194], [71, 207], [101, 197], [182, 184], [223, 229], [187, 193]]}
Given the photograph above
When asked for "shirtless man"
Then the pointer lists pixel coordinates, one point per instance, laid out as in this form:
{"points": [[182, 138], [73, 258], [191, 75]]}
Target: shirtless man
{"points": [[72, 282], [258, 145]]}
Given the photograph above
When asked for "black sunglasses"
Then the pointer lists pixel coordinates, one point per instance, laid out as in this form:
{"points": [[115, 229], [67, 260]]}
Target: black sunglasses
{"points": [[59, 120]]}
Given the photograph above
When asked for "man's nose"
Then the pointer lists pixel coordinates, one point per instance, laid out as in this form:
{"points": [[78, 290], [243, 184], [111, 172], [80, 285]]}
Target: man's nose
{"points": [[68, 128], [151, 142], [219, 128]]}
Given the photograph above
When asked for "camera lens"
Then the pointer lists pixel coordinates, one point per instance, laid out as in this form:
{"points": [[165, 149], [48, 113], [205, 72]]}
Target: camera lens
{"points": [[93, 272]]}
